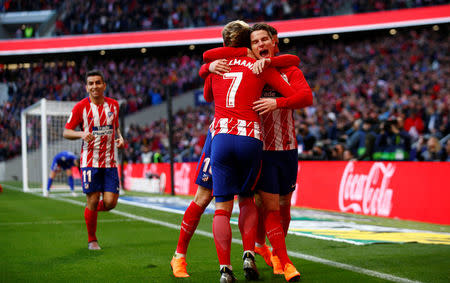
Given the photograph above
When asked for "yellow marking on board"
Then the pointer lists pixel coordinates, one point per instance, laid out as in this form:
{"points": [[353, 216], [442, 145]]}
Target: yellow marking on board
{"points": [[401, 237]]}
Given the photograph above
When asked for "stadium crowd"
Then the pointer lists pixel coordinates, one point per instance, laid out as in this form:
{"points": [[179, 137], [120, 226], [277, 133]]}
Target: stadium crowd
{"points": [[102, 16], [383, 99], [395, 85]]}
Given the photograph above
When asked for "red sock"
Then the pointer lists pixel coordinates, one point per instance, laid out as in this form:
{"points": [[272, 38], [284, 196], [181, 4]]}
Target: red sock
{"points": [[260, 230], [248, 222], [91, 223], [101, 206], [222, 235], [275, 235], [285, 213], [189, 223]]}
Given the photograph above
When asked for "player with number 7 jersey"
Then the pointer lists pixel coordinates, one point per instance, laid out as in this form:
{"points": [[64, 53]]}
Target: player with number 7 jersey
{"points": [[236, 151]]}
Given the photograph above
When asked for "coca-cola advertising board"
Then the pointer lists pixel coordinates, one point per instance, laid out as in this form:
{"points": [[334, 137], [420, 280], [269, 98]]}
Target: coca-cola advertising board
{"points": [[417, 191]]}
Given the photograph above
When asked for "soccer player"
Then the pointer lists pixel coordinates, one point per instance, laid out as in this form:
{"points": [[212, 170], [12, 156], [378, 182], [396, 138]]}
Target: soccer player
{"points": [[279, 169], [98, 118], [64, 160], [203, 195], [236, 150]]}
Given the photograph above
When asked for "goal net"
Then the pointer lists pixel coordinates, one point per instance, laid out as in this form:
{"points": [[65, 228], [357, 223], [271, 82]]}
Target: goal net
{"points": [[42, 126]]}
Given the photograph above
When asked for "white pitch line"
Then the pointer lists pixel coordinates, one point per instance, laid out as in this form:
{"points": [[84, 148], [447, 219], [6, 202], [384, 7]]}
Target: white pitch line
{"points": [[349, 267], [58, 222]]}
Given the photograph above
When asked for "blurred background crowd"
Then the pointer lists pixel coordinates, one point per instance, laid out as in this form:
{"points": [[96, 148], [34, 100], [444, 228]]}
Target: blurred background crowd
{"points": [[378, 96], [101, 16]]}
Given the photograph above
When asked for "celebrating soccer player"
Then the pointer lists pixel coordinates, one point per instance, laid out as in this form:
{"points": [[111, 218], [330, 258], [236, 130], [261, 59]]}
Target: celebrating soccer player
{"points": [[203, 196], [98, 119]]}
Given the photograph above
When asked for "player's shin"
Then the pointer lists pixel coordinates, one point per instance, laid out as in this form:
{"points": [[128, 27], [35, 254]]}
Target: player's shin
{"points": [[189, 224], [222, 236], [275, 234]]}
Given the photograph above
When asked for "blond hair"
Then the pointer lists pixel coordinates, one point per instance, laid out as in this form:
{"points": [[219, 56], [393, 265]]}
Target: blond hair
{"points": [[236, 34]]}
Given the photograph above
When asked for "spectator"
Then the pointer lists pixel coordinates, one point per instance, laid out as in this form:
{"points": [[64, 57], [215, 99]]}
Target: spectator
{"points": [[432, 152], [367, 139], [445, 152], [392, 143]]}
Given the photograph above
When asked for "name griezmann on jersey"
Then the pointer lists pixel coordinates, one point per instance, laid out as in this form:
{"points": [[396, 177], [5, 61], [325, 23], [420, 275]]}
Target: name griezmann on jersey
{"points": [[242, 63]]}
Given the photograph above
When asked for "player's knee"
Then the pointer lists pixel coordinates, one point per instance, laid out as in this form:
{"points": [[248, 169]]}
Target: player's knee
{"points": [[109, 205], [203, 197]]}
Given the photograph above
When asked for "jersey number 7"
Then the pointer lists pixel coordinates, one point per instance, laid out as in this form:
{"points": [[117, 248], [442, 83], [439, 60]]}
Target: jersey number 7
{"points": [[231, 95]]}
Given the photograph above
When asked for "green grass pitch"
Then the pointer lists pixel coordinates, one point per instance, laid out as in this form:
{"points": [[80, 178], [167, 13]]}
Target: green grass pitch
{"points": [[45, 240]]}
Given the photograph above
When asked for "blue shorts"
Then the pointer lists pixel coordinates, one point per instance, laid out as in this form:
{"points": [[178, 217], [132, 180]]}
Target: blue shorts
{"points": [[236, 164], [203, 173], [100, 180], [57, 165], [279, 172]]}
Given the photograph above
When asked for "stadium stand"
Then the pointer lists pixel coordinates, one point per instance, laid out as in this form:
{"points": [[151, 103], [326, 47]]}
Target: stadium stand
{"points": [[352, 81], [103, 16]]}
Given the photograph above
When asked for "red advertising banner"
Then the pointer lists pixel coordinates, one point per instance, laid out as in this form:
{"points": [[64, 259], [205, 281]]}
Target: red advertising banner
{"points": [[418, 191]]}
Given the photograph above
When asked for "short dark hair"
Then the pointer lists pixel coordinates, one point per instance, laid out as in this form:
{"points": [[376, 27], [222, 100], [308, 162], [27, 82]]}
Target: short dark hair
{"points": [[95, 72], [263, 26]]}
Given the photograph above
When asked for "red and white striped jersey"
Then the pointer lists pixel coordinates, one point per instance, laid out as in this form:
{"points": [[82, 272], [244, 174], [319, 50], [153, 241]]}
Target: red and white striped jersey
{"points": [[278, 127], [235, 126], [102, 121], [234, 94]]}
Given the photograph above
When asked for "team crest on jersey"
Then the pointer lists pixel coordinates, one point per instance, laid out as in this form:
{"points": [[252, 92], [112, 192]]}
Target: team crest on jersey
{"points": [[110, 114], [86, 186], [205, 178]]}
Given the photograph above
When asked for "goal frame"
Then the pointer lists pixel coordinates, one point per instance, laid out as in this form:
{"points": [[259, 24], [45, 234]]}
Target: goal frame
{"points": [[42, 108]]}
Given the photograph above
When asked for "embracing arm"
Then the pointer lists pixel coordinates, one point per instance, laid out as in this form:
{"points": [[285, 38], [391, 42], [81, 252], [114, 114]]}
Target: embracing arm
{"points": [[285, 60], [224, 53], [297, 96], [281, 61], [207, 89], [303, 95]]}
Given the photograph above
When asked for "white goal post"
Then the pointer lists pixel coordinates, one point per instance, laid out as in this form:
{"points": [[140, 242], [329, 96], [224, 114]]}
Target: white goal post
{"points": [[42, 126]]}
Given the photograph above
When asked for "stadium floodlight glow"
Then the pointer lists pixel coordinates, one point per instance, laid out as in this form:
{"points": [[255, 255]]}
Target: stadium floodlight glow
{"points": [[435, 27], [102, 52], [335, 36], [42, 125], [191, 47], [143, 50], [392, 31], [286, 40]]}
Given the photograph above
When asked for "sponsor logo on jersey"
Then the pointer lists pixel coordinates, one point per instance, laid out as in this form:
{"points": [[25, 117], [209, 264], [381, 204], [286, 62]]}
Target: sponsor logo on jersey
{"points": [[102, 130]]}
